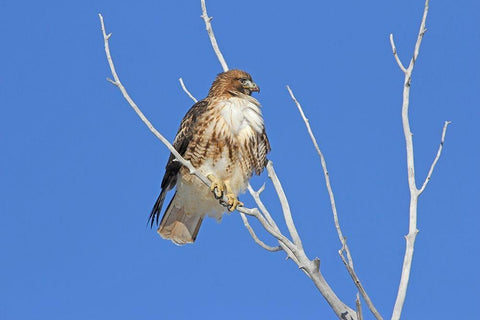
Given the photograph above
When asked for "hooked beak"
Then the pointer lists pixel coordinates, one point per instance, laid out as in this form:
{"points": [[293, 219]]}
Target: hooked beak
{"points": [[252, 86]]}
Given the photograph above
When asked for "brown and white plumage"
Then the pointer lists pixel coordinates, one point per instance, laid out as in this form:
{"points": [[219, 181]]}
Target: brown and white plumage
{"points": [[223, 136]]}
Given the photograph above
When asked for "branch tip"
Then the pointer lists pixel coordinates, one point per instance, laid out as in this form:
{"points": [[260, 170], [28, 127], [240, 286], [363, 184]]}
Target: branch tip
{"points": [[211, 35], [262, 188], [437, 157], [395, 54], [186, 90]]}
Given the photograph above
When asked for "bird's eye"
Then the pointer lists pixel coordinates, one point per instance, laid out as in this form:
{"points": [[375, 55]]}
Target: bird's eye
{"points": [[243, 80]]}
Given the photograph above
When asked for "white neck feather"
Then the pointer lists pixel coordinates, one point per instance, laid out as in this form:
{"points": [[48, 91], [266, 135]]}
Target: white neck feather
{"points": [[242, 112]]}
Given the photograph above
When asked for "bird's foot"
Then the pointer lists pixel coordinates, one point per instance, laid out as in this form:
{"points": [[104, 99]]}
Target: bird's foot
{"points": [[217, 186], [233, 202]]}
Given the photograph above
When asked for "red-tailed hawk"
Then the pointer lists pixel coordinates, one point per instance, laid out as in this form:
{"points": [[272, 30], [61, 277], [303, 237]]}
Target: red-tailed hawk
{"points": [[224, 137]]}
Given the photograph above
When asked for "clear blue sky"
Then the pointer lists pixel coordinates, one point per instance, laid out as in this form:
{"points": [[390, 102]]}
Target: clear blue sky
{"points": [[79, 172]]}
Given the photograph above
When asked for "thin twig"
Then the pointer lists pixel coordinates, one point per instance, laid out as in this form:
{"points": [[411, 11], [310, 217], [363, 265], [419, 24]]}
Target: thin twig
{"points": [[285, 206], [439, 153], [395, 54], [186, 90], [327, 177], [343, 241], [266, 214], [276, 234], [208, 26], [263, 209], [421, 33], [255, 237]]}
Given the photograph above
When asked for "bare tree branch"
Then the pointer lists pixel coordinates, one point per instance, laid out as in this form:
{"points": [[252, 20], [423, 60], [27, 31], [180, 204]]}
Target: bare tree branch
{"points": [[410, 238], [208, 25], [255, 237], [186, 90], [270, 229], [439, 153], [127, 97], [285, 206], [414, 191], [327, 178], [349, 263], [361, 289], [310, 267], [256, 196], [395, 54]]}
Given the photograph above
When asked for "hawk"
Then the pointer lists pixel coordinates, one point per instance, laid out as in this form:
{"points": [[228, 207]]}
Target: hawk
{"points": [[223, 136]]}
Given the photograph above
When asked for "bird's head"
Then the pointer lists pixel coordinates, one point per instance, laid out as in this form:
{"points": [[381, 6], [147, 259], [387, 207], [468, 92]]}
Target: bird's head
{"points": [[233, 82]]}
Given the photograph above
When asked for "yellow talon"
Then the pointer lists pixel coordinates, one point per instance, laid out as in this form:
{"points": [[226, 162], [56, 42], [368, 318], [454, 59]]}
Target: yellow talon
{"points": [[233, 202], [217, 186]]}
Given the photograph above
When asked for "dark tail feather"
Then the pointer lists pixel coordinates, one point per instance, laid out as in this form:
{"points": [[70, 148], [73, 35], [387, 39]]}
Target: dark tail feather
{"points": [[157, 208]]}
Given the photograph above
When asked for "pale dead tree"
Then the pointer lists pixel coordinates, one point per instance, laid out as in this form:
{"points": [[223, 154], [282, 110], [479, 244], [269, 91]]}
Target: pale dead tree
{"points": [[292, 245]]}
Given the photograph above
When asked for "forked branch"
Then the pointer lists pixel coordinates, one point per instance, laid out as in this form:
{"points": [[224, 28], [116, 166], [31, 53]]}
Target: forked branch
{"points": [[414, 191]]}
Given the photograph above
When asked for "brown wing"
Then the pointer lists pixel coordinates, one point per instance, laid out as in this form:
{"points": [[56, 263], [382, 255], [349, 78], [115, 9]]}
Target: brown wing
{"points": [[181, 142], [263, 147]]}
